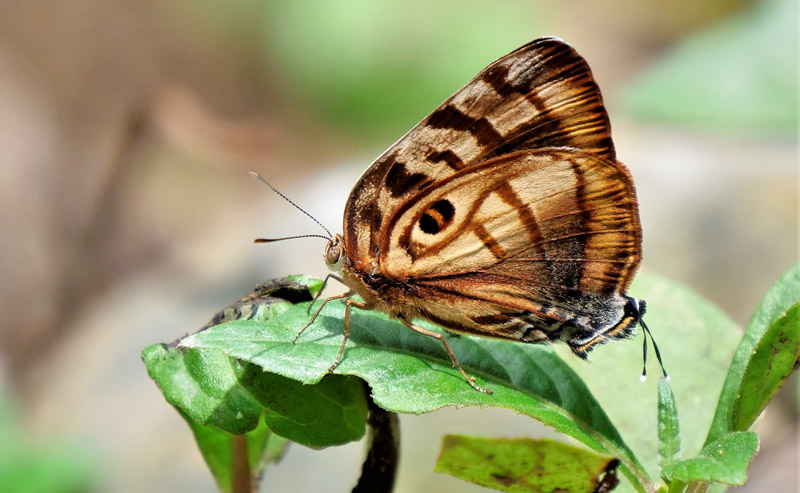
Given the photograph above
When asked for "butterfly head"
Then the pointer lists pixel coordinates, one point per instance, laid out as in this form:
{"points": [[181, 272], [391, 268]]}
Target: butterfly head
{"points": [[334, 253]]}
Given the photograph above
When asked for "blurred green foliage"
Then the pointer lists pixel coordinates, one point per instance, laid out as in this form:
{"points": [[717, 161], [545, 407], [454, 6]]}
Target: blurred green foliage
{"points": [[376, 81], [740, 75], [49, 466]]}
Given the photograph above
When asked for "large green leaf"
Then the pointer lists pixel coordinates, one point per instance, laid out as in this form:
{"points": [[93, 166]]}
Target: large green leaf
{"points": [[724, 460], [525, 465], [230, 403], [410, 373], [217, 390], [220, 397], [771, 323], [205, 385], [229, 397]]}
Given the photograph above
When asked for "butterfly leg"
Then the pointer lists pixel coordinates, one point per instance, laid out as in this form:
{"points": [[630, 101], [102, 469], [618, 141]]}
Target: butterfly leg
{"points": [[470, 380], [348, 304], [324, 283], [314, 317]]}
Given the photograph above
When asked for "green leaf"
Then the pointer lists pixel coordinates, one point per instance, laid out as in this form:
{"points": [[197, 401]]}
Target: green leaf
{"points": [[776, 303], [216, 390], [410, 373], [331, 412], [525, 465], [724, 460], [669, 433], [205, 385], [220, 396], [774, 359]]}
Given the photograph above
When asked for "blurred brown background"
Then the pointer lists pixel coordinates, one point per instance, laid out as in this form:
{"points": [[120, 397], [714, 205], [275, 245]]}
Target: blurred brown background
{"points": [[128, 128]]}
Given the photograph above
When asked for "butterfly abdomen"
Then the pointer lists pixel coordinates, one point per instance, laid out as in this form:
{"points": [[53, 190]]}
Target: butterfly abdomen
{"points": [[615, 328]]}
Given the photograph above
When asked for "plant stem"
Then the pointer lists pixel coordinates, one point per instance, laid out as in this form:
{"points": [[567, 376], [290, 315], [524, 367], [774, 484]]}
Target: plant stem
{"points": [[697, 487], [241, 480]]}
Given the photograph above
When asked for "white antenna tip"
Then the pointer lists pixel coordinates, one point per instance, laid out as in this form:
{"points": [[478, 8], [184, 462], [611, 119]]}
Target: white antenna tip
{"points": [[642, 378]]}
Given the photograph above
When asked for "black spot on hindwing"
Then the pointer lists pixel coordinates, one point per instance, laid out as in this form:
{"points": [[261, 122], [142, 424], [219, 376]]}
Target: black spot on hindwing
{"points": [[437, 217], [445, 208]]}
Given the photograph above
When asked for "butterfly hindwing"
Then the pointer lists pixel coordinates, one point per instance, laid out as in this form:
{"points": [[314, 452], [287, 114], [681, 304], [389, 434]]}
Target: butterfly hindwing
{"points": [[552, 217], [532, 238]]}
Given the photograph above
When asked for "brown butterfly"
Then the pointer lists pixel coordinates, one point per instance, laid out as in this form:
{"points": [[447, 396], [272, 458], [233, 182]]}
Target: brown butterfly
{"points": [[503, 214]]}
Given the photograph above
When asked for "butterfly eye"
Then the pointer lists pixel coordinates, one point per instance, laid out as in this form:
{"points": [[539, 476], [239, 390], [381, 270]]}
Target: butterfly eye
{"points": [[333, 255], [437, 217]]}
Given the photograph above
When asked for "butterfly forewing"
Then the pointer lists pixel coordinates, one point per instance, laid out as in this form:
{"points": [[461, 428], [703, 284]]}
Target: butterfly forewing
{"points": [[541, 95]]}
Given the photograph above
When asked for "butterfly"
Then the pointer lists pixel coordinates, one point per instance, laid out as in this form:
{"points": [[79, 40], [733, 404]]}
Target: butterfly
{"points": [[503, 214]]}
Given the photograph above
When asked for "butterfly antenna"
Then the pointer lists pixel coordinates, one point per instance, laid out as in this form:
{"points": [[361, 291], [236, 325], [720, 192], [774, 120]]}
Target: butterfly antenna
{"points": [[270, 240], [284, 197], [644, 355], [655, 348], [639, 309]]}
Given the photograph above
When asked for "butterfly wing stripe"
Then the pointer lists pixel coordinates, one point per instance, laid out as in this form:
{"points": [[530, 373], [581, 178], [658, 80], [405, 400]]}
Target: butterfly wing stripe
{"points": [[448, 157], [506, 192], [498, 277], [561, 73], [574, 272], [503, 290], [556, 260], [451, 118], [400, 182], [489, 241]]}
